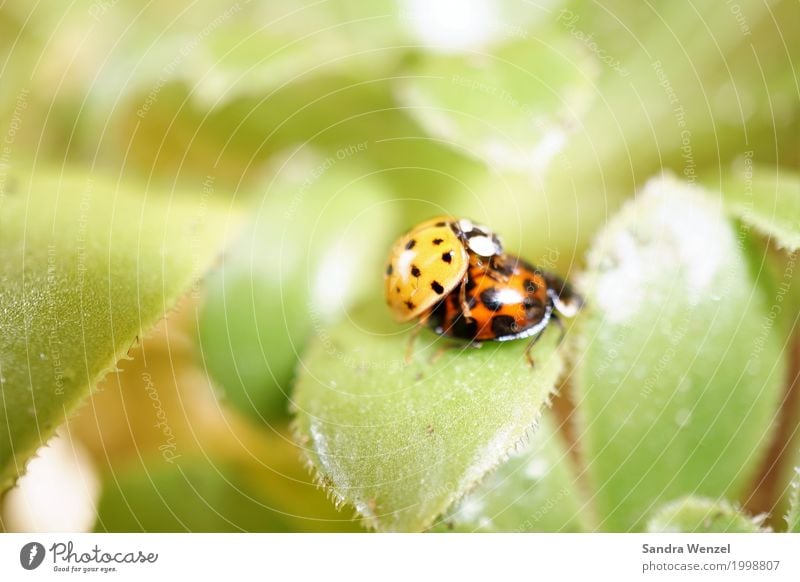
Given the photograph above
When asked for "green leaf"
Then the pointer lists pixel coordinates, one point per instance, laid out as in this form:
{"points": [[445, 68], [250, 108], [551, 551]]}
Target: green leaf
{"points": [[330, 114], [793, 515], [167, 90], [247, 58], [191, 497], [85, 268], [682, 375], [321, 228], [224, 52], [200, 494], [699, 515], [697, 92], [688, 57], [552, 232], [534, 491], [221, 51], [767, 199], [512, 107], [402, 442], [15, 39]]}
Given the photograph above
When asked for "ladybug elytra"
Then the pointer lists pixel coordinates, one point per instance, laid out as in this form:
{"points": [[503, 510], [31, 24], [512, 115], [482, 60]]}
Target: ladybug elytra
{"points": [[432, 260]]}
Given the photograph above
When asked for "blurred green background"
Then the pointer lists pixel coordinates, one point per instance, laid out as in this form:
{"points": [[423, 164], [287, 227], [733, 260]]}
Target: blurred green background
{"points": [[330, 127]]}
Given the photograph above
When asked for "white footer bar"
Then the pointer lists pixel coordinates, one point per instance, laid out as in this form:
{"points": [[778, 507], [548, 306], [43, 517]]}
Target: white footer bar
{"points": [[353, 557]]}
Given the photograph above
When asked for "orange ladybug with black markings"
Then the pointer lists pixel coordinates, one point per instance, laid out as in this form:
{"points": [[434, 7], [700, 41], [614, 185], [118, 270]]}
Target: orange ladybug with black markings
{"points": [[453, 276], [507, 299]]}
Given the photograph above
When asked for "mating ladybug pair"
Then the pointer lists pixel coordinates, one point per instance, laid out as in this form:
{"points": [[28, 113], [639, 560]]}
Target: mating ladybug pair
{"points": [[453, 276]]}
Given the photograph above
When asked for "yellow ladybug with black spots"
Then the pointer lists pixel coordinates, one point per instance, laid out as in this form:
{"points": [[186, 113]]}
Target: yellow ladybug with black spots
{"points": [[431, 260]]}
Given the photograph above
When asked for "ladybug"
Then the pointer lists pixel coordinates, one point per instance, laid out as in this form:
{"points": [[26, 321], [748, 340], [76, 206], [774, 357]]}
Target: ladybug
{"points": [[508, 299], [453, 276], [431, 261]]}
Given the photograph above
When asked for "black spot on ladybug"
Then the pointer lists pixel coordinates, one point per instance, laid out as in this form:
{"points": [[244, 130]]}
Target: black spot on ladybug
{"points": [[397, 289], [530, 286], [490, 300], [411, 244], [437, 241], [503, 325], [464, 328], [447, 257], [410, 305], [470, 285], [389, 269], [436, 286], [415, 272], [503, 268], [440, 224]]}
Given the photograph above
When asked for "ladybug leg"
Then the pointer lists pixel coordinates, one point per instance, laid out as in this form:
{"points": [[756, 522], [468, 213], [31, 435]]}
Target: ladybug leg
{"points": [[563, 329], [536, 338], [497, 276], [529, 348], [462, 298], [413, 337], [497, 271], [440, 352]]}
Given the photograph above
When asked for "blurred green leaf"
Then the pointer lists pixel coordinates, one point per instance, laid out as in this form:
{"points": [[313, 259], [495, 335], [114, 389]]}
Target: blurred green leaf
{"points": [[769, 200], [166, 89], [699, 515], [237, 140], [18, 50], [700, 88], [534, 491], [552, 232], [220, 51], [191, 497], [316, 244], [512, 107], [682, 374], [704, 86], [402, 442], [201, 494], [337, 37], [85, 268], [223, 52]]}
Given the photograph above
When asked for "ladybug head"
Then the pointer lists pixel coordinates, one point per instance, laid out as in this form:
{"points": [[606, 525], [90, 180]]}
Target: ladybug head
{"points": [[478, 238]]}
